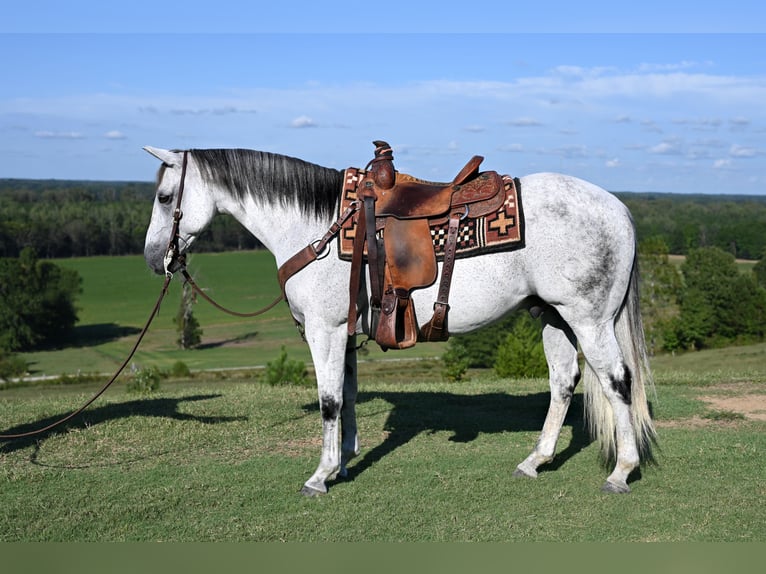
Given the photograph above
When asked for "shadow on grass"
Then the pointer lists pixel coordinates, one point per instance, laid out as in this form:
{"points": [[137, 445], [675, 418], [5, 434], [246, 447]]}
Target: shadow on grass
{"points": [[234, 340], [149, 407], [99, 333], [466, 417]]}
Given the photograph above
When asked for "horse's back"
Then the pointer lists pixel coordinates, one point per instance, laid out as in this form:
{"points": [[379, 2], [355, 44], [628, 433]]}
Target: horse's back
{"points": [[578, 251]]}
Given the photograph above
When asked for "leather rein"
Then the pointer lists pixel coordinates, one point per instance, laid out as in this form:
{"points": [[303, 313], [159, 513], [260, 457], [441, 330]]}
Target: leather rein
{"points": [[171, 259], [173, 255]]}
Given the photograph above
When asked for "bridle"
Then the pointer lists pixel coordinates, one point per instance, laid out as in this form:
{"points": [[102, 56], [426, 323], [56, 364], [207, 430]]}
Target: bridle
{"points": [[172, 253], [289, 268], [173, 256]]}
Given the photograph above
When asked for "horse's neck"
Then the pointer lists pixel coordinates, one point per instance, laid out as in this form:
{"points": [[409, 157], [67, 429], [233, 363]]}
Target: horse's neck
{"points": [[283, 230]]}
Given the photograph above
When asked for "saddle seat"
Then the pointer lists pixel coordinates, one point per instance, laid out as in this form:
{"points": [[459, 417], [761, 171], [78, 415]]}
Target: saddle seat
{"points": [[396, 226], [411, 198]]}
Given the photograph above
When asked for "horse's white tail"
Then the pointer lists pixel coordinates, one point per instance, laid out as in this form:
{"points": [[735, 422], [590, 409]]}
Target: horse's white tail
{"points": [[629, 331]]}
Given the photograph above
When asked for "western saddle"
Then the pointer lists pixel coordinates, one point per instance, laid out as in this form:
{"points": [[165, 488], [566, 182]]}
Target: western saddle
{"points": [[394, 223], [394, 213]]}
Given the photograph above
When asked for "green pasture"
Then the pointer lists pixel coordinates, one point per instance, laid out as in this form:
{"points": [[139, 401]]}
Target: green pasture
{"points": [[119, 293], [212, 460], [220, 457]]}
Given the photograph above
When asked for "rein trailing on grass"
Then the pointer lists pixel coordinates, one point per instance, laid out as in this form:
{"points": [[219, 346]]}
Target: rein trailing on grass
{"points": [[172, 259], [103, 389]]}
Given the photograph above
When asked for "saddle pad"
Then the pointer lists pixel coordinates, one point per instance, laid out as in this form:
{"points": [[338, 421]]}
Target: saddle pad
{"points": [[498, 231]]}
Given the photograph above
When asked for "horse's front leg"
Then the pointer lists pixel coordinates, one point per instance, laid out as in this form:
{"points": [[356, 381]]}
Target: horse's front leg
{"points": [[328, 351], [349, 441]]}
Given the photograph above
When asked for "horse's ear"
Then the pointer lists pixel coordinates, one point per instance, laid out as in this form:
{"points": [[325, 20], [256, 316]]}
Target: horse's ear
{"points": [[170, 158]]}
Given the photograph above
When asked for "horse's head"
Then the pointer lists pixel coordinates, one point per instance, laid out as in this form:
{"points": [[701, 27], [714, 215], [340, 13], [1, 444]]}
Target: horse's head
{"points": [[197, 209]]}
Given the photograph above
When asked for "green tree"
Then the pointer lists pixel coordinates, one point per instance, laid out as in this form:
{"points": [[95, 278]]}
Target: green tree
{"points": [[479, 348], [187, 326], [759, 270], [719, 304], [521, 354], [286, 371], [517, 336], [659, 290], [37, 302]]}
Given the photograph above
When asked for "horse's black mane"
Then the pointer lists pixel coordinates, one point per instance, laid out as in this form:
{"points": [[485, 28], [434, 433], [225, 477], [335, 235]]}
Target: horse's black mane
{"points": [[273, 178]]}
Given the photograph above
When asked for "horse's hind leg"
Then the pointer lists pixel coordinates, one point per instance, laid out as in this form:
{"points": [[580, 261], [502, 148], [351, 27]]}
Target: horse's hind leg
{"points": [[561, 353], [608, 402]]}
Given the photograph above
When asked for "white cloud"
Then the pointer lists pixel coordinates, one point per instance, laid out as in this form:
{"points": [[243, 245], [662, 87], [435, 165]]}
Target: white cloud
{"points": [[188, 111], [568, 152], [303, 122], [615, 162], [739, 122], [666, 148], [722, 164], [684, 65], [699, 123], [524, 123], [743, 151], [651, 126], [514, 147], [45, 134], [114, 135]]}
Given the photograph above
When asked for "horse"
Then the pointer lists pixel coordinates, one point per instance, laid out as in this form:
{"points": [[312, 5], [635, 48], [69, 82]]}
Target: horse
{"points": [[577, 271]]}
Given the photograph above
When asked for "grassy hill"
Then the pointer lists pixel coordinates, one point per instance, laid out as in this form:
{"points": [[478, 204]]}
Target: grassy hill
{"points": [[118, 295]]}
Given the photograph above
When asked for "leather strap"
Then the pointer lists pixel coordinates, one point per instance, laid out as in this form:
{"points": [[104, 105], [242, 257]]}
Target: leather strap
{"points": [[356, 271], [436, 328], [172, 252], [373, 251], [312, 250]]}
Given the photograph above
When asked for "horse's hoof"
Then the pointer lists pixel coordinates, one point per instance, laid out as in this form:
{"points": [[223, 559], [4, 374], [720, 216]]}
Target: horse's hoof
{"points": [[521, 473], [614, 488], [311, 492]]}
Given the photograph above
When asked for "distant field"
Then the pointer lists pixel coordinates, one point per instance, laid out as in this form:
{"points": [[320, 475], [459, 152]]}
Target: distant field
{"points": [[118, 295], [745, 265]]}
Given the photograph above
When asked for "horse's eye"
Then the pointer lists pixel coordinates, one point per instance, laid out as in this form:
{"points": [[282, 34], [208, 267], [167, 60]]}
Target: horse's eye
{"points": [[164, 198]]}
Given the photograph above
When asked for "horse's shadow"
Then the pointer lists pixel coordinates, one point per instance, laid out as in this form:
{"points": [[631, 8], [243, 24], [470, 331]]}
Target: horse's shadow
{"points": [[466, 417], [148, 407]]}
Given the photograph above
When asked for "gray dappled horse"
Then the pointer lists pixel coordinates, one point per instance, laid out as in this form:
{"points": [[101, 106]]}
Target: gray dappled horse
{"points": [[578, 269]]}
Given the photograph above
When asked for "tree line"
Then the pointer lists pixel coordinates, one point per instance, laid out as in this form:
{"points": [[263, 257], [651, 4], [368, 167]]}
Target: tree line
{"points": [[81, 219], [735, 224], [705, 302], [75, 219]]}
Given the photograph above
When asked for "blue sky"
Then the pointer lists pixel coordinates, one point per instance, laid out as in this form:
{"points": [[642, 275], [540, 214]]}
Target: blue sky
{"points": [[655, 98]]}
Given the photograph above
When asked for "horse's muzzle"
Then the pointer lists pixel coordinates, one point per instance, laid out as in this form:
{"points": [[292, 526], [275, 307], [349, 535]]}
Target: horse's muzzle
{"points": [[155, 259]]}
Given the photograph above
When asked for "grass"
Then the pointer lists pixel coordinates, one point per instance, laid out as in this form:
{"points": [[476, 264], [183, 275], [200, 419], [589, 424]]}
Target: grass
{"points": [[211, 460], [221, 457]]}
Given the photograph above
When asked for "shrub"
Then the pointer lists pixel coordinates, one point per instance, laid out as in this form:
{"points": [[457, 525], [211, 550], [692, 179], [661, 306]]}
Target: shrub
{"points": [[187, 326], [284, 370], [521, 353], [180, 370], [11, 366], [144, 381], [456, 363]]}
